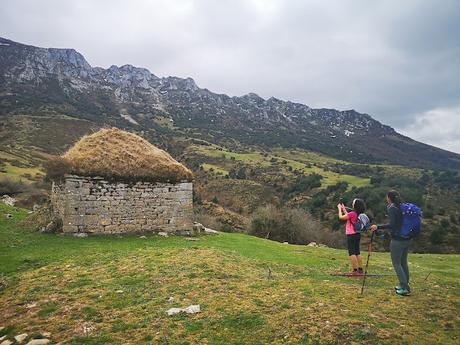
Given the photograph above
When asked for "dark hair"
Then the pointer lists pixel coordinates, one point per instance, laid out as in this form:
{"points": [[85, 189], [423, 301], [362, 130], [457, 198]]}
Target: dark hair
{"points": [[359, 206], [394, 197]]}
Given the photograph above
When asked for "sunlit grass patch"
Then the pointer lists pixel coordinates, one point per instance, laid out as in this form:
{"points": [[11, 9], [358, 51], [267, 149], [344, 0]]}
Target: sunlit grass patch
{"points": [[302, 161], [24, 174], [214, 168]]}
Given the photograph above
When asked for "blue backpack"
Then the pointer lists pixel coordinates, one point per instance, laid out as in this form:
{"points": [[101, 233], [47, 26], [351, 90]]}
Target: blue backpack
{"points": [[411, 220]]}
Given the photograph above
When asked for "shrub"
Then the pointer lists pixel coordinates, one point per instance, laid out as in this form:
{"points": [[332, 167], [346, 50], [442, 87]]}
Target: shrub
{"points": [[207, 220], [197, 199], [428, 213], [56, 168], [226, 228], [212, 222], [11, 187], [445, 223], [290, 225], [238, 174], [437, 237], [304, 183]]}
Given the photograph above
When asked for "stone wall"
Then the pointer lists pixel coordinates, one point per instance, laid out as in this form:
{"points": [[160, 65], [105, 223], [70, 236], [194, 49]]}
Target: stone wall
{"points": [[93, 205]]}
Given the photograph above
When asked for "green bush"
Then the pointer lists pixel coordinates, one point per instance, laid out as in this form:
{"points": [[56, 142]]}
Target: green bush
{"points": [[226, 228], [304, 183], [428, 214], [445, 223], [437, 237]]}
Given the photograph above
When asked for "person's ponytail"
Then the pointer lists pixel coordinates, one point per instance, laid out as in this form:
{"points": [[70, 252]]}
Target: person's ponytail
{"points": [[394, 197]]}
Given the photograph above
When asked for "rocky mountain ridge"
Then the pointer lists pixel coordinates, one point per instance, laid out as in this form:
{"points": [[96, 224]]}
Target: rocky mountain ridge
{"points": [[61, 81]]}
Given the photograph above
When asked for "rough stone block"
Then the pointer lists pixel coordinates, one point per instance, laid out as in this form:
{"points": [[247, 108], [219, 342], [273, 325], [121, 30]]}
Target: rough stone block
{"points": [[69, 228]]}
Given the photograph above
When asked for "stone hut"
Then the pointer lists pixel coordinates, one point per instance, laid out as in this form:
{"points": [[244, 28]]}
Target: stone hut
{"points": [[117, 182]]}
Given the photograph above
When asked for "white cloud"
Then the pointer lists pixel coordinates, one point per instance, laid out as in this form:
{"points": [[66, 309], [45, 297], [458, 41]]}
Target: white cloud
{"points": [[437, 127]]}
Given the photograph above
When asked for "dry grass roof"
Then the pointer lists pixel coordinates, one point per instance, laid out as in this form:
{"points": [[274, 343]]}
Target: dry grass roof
{"points": [[116, 154]]}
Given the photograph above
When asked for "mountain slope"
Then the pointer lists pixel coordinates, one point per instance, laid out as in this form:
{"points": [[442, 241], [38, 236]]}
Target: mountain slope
{"points": [[38, 81]]}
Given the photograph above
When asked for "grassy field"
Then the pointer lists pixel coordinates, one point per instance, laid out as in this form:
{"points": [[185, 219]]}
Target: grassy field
{"points": [[116, 290], [25, 174], [214, 168], [298, 160]]}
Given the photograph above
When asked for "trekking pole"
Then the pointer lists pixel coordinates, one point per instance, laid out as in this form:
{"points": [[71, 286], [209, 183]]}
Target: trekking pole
{"points": [[369, 251]]}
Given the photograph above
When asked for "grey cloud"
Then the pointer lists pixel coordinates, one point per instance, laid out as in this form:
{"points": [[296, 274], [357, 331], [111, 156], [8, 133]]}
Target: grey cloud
{"points": [[393, 60]]}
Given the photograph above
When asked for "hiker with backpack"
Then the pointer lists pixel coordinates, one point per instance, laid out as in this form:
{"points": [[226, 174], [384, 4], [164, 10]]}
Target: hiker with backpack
{"points": [[354, 226], [403, 225]]}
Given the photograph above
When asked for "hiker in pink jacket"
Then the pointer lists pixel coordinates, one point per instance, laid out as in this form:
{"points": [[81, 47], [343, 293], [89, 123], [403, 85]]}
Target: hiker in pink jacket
{"points": [[353, 238]]}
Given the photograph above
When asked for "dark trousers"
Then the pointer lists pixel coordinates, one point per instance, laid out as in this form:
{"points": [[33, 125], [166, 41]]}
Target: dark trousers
{"points": [[399, 250]]}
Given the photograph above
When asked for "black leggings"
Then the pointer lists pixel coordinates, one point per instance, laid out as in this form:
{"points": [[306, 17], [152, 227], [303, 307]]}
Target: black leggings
{"points": [[353, 244]]}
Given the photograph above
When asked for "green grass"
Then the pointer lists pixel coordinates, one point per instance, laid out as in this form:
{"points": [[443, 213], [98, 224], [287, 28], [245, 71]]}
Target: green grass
{"points": [[297, 160], [25, 174], [215, 168], [116, 290]]}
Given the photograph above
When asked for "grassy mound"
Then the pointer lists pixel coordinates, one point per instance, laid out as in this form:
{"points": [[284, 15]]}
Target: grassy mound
{"points": [[100, 290], [116, 154]]}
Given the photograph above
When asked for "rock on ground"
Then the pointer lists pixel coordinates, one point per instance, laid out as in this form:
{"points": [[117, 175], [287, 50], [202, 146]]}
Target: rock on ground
{"points": [[8, 200], [174, 311], [198, 227], [191, 309], [21, 337], [38, 342], [210, 231]]}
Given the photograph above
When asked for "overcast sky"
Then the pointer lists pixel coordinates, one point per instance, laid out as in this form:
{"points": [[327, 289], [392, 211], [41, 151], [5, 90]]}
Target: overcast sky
{"points": [[398, 61]]}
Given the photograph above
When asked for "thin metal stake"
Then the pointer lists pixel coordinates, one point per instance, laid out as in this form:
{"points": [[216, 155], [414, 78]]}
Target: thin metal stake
{"points": [[369, 251]]}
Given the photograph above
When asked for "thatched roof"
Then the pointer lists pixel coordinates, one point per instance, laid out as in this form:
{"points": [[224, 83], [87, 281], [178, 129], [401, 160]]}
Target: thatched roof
{"points": [[116, 154]]}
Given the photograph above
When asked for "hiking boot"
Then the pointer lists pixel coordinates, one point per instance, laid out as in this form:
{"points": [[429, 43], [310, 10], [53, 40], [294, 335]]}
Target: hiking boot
{"points": [[403, 292], [360, 271], [400, 288]]}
